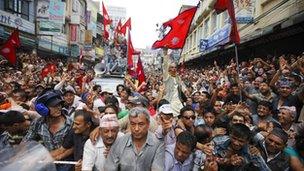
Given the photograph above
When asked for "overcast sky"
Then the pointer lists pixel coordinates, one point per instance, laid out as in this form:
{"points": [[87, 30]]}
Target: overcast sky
{"points": [[145, 14]]}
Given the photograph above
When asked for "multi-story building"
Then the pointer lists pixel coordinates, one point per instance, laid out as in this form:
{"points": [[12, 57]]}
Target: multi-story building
{"points": [[117, 13], [51, 27], [21, 14], [265, 26]]}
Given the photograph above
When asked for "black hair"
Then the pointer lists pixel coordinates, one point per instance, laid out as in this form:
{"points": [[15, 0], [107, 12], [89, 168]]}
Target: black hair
{"points": [[112, 107], [22, 94], [241, 131], [111, 100], [119, 85], [128, 90], [184, 109], [95, 87], [162, 102], [203, 133], [209, 109], [266, 104], [186, 138], [11, 117], [86, 116], [299, 142]]}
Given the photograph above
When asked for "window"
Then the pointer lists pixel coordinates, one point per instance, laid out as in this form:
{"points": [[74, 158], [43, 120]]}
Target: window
{"points": [[25, 10], [10, 6], [213, 22], [206, 28], [19, 7], [225, 17]]}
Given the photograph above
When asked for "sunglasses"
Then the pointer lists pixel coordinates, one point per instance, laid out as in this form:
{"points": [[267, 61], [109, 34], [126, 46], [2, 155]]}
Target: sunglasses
{"points": [[189, 117]]}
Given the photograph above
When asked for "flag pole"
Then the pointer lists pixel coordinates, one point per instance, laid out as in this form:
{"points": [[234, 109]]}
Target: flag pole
{"points": [[237, 66]]}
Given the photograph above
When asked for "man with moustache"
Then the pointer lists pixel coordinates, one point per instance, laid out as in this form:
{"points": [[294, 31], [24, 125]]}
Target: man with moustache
{"points": [[53, 126], [138, 150], [94, 155]]}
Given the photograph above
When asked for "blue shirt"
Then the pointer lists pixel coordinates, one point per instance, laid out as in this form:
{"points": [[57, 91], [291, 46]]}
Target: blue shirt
{"points": [[171, 164]]}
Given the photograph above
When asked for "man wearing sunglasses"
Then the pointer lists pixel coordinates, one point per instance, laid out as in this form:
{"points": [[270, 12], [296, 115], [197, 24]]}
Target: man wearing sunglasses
{"points": [[185, 120]]}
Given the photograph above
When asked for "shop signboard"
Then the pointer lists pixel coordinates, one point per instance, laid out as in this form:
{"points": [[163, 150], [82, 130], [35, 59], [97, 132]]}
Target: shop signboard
{"points": [[219, 37], [73, 33], [75, 51], [49, 27], [57, 11], [43, 9], [88, 38], [14, 21], [56, 43], [244, 11]]}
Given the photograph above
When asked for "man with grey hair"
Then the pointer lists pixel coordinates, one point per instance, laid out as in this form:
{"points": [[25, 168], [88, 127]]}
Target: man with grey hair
{"points": [[174, 87], [138, 150], [286, 117]]}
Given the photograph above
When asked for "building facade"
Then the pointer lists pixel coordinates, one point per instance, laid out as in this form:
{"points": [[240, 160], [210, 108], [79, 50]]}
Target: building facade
{"points": [[21, 14], [256, 20], [117, 13], [63, 28]]}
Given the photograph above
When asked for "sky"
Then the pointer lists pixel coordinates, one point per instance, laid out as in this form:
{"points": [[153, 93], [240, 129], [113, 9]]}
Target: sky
{"points": [[145, 14]]}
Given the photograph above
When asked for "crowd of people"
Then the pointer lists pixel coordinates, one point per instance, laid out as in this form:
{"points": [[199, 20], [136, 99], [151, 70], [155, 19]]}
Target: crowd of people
{"points": [[229, 117]]}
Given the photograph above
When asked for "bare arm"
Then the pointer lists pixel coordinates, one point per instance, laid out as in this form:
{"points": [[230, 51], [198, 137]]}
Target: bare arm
{"points": [[61, 153], [296, 164]]}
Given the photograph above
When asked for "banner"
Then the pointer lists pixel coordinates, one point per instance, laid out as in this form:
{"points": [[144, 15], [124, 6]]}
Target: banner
{"points": [[57, 11], [73, 33], [8, 19], [244, 11], [88, 38], [43, 9], [219, 37], [49, 27]]}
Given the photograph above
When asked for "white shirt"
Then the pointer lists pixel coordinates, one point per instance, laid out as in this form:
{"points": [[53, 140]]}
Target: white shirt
{"points": [[93, 156]]}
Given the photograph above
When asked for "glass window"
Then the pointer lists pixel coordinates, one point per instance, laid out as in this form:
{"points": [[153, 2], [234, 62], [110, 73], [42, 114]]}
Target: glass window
{"points": [[206, 28], [25, 10], [225, 17], [213, 22]]}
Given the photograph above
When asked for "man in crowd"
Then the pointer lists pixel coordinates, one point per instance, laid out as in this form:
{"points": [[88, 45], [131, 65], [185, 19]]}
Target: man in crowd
{"points": [[273, 148], [165, 130], [94, 155], [53, 126], [174, 87], [75, 139], [179, 156], [13, 126], [138, 150], [235, 153]]}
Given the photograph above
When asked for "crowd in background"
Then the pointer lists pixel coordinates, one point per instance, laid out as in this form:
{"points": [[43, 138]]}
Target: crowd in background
{"points": [[205, 118]]}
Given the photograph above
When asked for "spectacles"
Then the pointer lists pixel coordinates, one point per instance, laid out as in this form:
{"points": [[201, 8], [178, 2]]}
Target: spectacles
{"points": [[189, 117]]}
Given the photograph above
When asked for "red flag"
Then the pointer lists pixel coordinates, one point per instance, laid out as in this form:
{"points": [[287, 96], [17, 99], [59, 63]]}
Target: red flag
{"points": [[106, 33], [130, 51], [125, 26], [106, 21], [117, 32], [9, 52], [9, 48], [222, 5], [130, 67], [140, 71], [180, 25], [14, 38], [106, 17], [118, 27]]}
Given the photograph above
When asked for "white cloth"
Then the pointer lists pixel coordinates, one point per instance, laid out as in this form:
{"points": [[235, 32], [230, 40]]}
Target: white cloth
{"points": [[93, 156]]}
